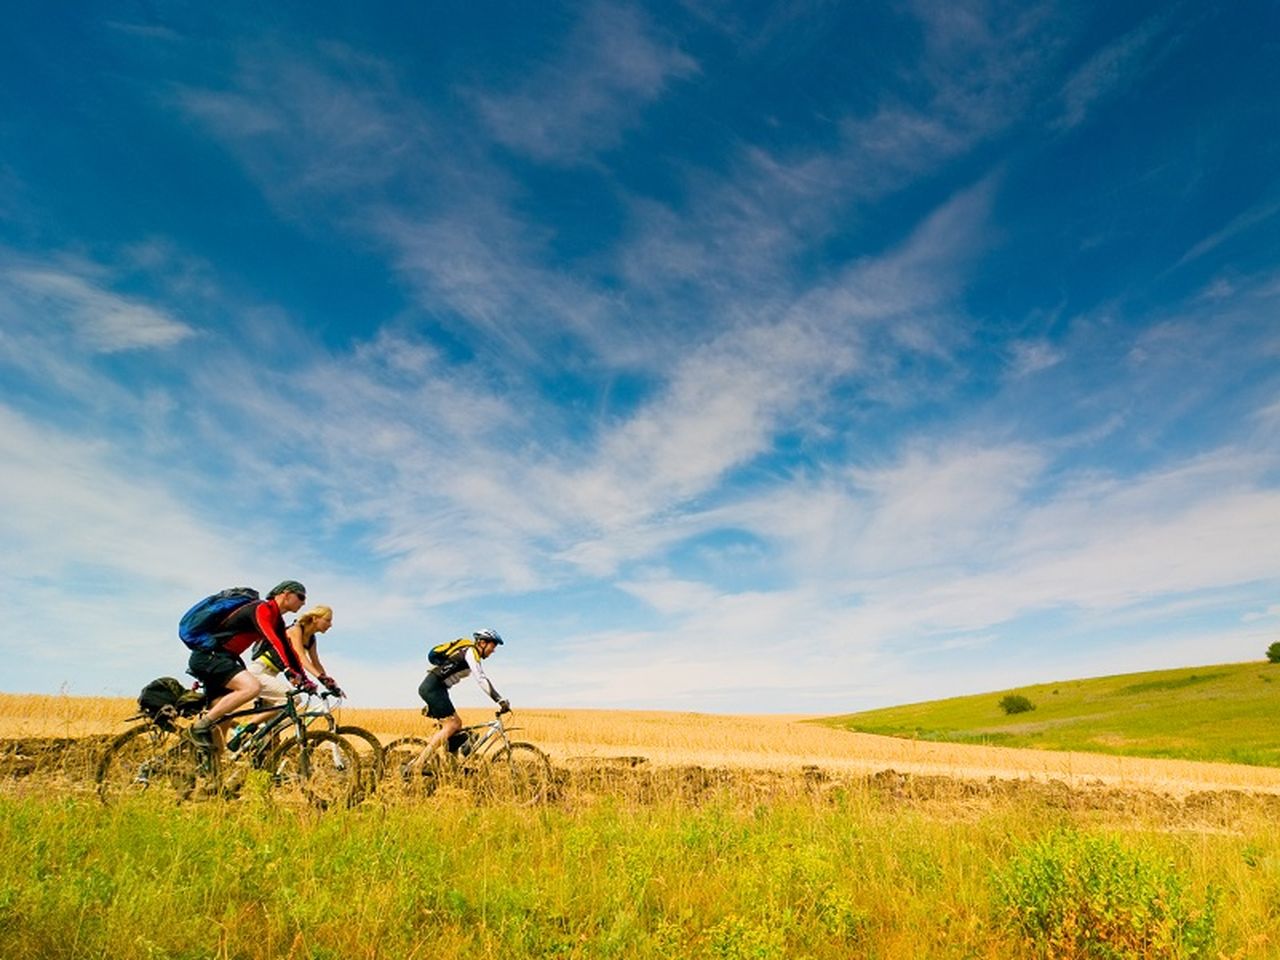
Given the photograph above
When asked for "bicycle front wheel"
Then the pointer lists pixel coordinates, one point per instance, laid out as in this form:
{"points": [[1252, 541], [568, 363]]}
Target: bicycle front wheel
{"points": [[321, 769], [520, 773]]}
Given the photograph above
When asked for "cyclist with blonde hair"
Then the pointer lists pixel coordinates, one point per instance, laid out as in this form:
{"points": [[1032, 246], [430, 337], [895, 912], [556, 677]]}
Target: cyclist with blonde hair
{"points": [[269, 668]]}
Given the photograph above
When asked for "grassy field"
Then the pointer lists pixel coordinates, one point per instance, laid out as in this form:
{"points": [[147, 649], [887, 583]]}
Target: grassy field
{"points": [[1229, 712], [855, 871], [669, 835]]}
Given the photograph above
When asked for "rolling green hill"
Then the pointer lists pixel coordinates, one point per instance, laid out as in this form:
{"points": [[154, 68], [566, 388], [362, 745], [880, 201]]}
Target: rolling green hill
{"points": [[1228, 712]]}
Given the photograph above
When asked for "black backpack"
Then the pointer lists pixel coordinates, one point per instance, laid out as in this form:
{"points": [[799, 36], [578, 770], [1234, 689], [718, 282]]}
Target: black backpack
{"points": [[165, 698]]}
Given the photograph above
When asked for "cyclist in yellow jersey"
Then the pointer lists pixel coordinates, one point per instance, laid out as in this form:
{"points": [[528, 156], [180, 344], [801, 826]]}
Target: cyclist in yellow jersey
{"points": [[450, 663]]}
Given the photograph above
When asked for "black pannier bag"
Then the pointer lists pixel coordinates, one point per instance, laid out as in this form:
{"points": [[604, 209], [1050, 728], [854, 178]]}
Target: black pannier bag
{"points": [[165, 698]]}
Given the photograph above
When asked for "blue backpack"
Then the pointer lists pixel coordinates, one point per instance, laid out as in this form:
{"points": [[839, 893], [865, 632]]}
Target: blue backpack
{"points": [[198, 626]]}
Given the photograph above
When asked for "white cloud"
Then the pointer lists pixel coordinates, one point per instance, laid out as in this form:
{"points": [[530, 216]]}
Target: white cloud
{"points": [[1114, 67], [1253, 616], [1239, 224], [71, 501], [1029, 357], [331, 124], [585, 100], [101, 320]]}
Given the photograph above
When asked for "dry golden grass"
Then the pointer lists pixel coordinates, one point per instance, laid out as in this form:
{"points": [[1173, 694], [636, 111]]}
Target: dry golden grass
{"points": [[769, 742], [35, 715]]}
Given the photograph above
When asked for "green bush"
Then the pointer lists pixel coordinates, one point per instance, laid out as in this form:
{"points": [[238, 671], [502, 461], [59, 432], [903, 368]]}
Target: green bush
{"points": [[1273, 652], [1016, 703], [1075, 895]]}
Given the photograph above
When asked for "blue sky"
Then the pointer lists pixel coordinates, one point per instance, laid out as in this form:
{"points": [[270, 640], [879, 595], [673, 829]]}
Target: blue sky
{"points": [[735, 358]]}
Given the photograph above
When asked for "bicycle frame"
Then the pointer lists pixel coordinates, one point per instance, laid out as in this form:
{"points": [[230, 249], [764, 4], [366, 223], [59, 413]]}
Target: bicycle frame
{"points": [[493, 765], [316, 765], [495, 733], [261, 740], [323, 712]]}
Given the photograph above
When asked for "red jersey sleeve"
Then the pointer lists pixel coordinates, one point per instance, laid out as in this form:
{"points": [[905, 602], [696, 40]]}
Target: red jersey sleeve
{"points": [[270, 624]]}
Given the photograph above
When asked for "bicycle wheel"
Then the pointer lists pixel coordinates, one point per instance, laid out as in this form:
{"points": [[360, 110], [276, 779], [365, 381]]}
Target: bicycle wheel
{"points": [[370, 750], [406, 774], [521, 774], [322, 769], [147, 759]]}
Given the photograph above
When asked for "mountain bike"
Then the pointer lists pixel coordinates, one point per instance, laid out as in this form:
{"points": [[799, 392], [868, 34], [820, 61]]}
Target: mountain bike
{"points": [[366, 743], [482, 759], [317, 766]]}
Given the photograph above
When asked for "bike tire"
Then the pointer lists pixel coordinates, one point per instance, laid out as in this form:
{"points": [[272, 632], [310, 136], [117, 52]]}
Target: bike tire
{"points": [[520, 773], [370, 749], [402, 776], [147, 760], [322, 769]]}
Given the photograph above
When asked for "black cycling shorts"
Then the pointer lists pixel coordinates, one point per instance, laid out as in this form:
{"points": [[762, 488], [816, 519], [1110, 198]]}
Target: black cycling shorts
{"points": [[213, 668], [436, 696]]}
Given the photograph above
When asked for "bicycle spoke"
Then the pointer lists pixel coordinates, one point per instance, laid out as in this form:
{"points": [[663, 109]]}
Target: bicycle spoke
{"points": [[370, 750], [150, 760], [406, 773], [132, 764], [322, 770], [521, 774]]}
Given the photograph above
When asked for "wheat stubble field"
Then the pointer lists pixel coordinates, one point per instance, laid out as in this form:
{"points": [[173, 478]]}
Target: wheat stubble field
{"points": [[779, 743], [672, 835]]}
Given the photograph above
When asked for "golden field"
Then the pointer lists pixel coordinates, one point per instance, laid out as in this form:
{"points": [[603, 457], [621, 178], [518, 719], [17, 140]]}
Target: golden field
{"points": [[783, 743]]}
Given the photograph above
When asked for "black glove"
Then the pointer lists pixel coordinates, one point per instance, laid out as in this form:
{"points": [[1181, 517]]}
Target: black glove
{"points": [[301, 681], [332, 686], [504, 706]]}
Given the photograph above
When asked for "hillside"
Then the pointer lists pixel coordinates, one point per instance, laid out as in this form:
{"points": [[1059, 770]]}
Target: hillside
{"points": [[1228, 712]]}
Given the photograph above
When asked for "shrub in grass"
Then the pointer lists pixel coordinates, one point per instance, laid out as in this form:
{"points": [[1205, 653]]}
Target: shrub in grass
{"points": [[1273, 652], [1073, 895], [1016, 703]]}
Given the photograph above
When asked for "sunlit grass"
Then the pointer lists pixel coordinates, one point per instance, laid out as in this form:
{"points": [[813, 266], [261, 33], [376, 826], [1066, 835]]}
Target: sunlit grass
{"points": [[669, 835], [1216, 713], [852, 871]]}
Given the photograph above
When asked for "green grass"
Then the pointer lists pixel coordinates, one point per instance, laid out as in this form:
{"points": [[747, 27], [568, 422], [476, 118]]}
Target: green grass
{"points": [[1228, 712], [846, 873]]}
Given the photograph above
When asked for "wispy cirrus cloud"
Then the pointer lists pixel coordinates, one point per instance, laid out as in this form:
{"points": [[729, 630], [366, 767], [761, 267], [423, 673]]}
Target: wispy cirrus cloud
{"points": [[1028, 357], [584, 100], [73, 296], [1239, 224], [333, 123], [1116, 65]]}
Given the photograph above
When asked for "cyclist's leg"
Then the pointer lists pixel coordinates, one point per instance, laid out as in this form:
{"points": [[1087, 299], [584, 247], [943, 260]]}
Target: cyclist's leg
{"points": [[439, 707], [274, 692], [230, 686]]}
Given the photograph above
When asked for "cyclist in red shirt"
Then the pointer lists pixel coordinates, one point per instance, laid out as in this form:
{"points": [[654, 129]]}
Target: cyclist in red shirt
{"points": [[221, 671]]}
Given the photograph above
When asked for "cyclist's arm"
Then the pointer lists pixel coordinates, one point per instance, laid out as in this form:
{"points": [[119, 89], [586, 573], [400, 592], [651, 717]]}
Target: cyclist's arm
{"points": [[473, 661], [269, 627], [306, 656]]}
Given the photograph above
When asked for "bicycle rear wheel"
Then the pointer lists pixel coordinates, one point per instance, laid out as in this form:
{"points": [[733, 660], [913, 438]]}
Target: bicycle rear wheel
{"points": [[520, 773], [407, 774], [321, 769], [148, 760], [370, 750]]}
